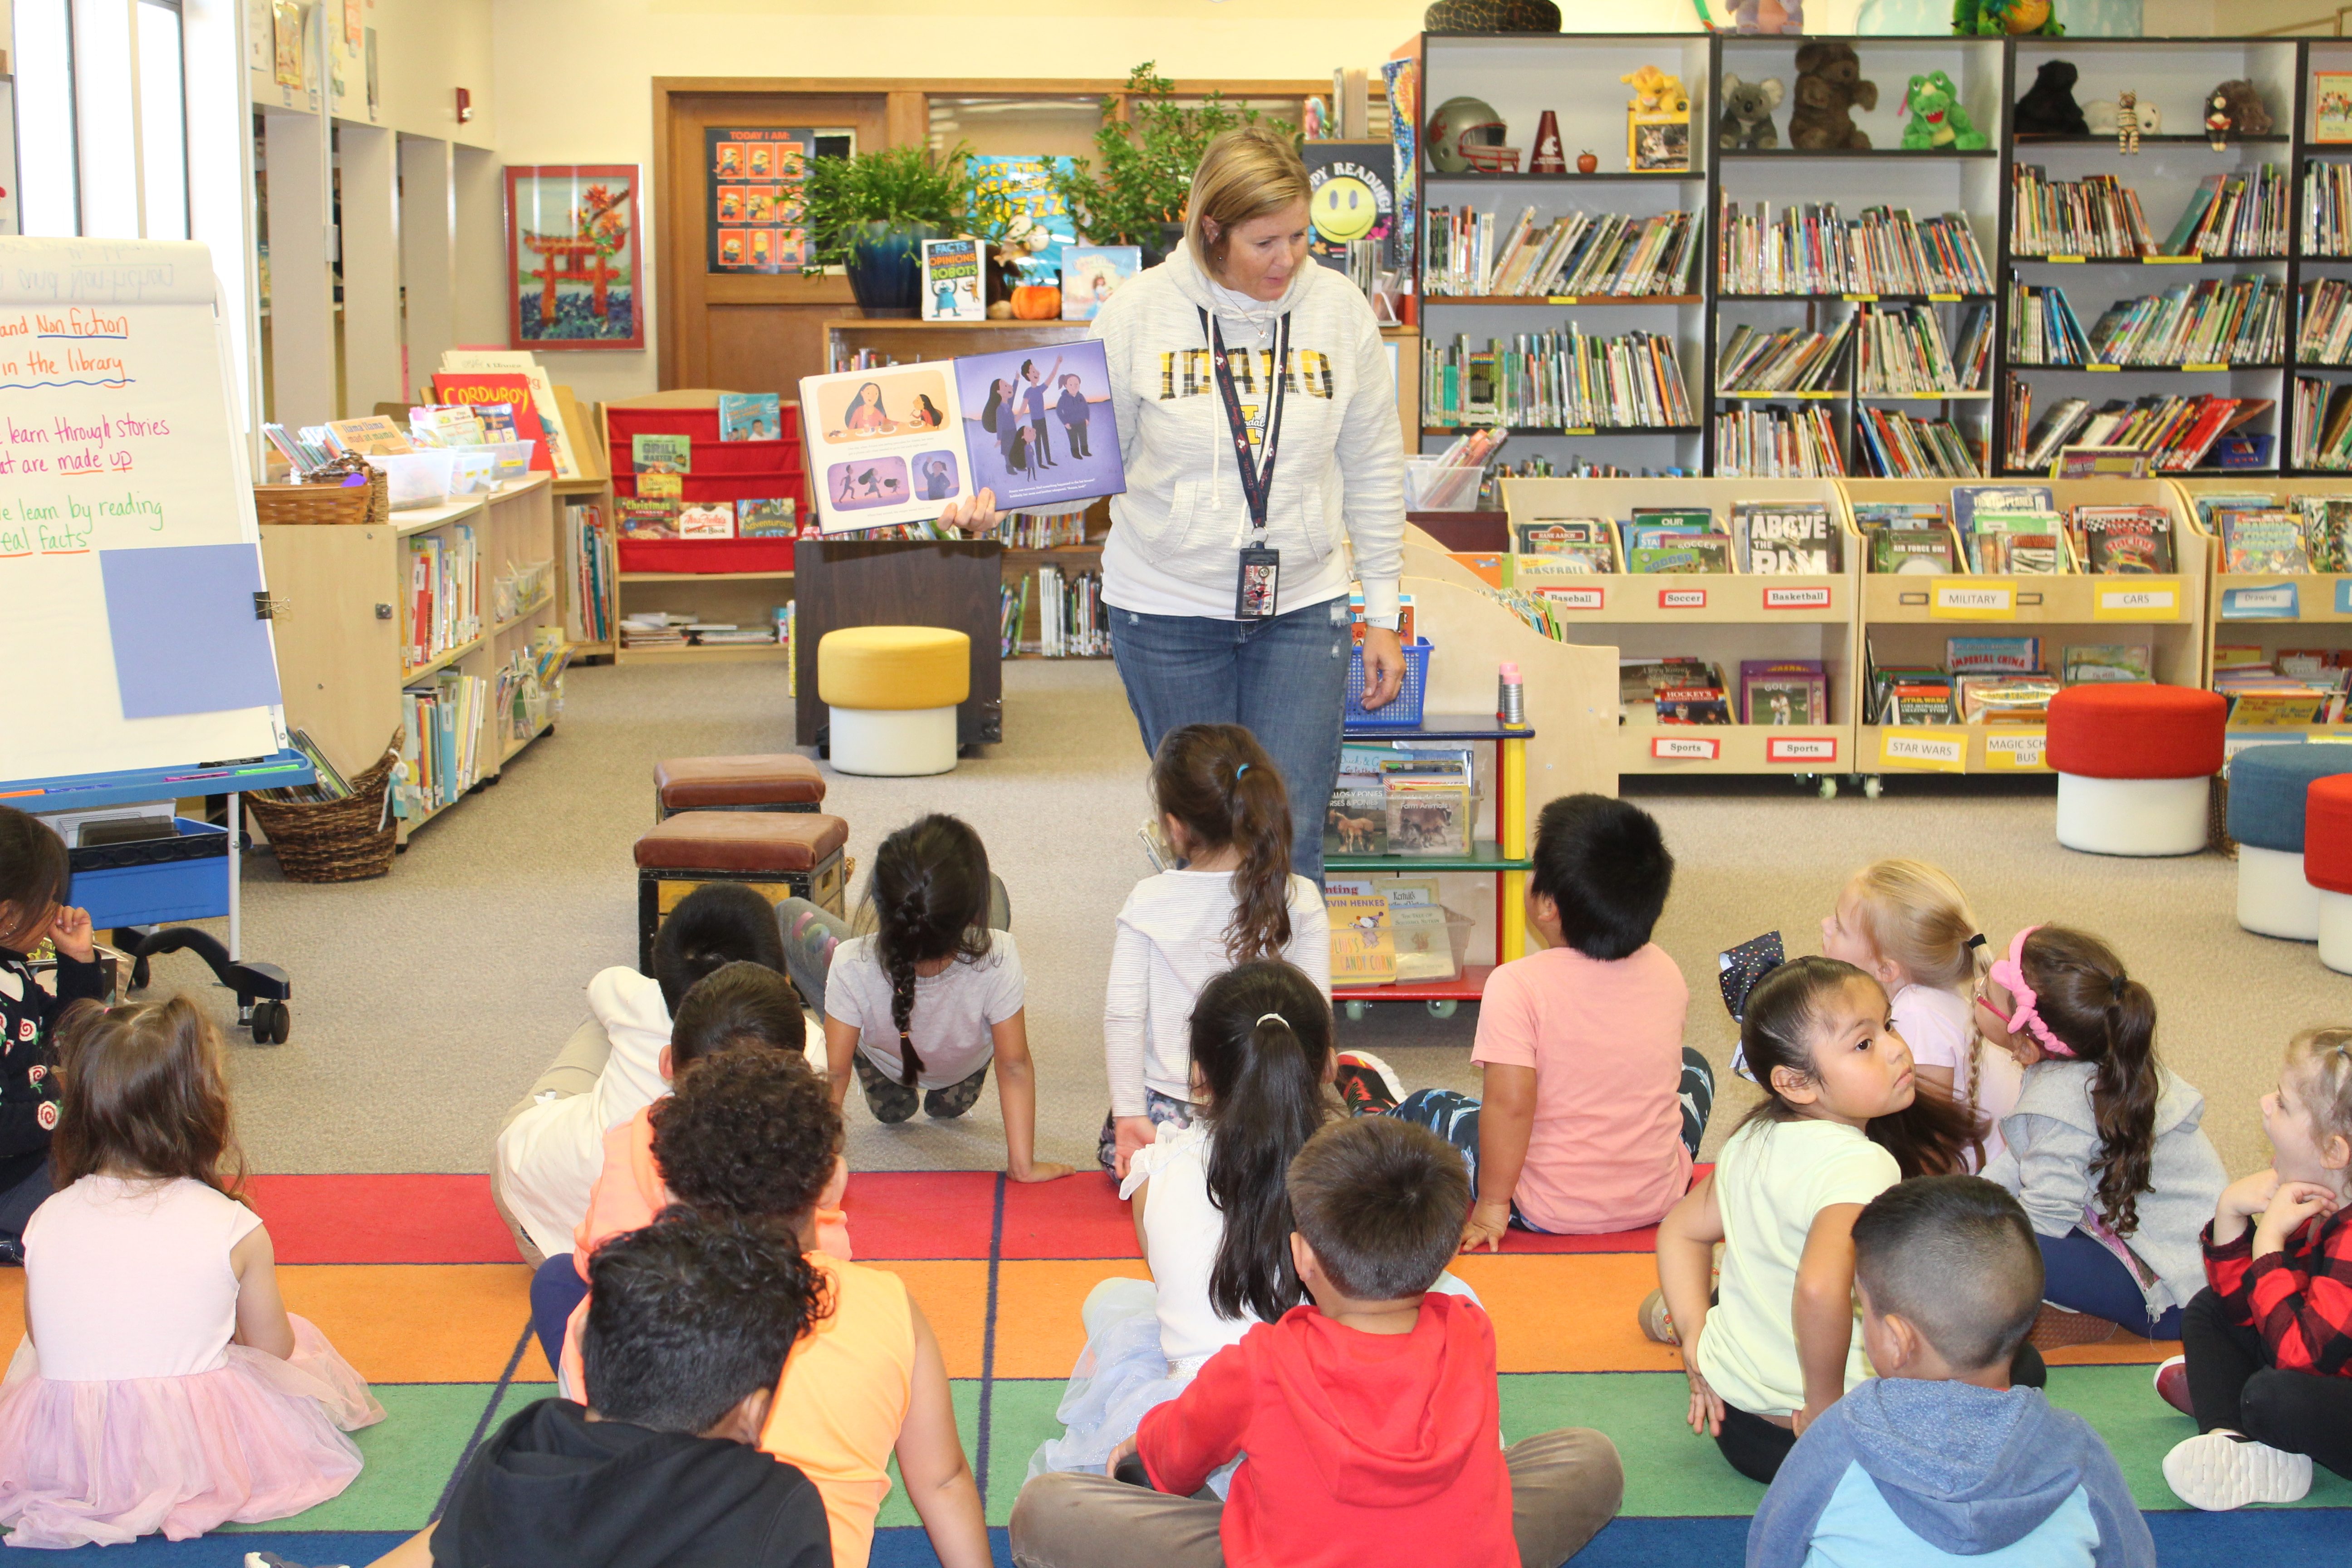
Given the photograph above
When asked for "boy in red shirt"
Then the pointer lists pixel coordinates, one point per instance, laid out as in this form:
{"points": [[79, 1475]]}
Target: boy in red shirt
{"points": [[1369, 1423]]}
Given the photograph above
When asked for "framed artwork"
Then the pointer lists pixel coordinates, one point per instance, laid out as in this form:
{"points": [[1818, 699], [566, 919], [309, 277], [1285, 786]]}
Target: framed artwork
{"points": [[574, 267], [2331, 98]]}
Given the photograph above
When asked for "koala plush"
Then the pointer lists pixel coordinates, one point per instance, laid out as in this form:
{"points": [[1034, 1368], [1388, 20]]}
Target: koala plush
{"points": [[1747, 109]]}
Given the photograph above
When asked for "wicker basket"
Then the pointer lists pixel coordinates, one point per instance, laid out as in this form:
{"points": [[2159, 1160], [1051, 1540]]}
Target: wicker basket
{"points": [[323, 503], [345, 840]]}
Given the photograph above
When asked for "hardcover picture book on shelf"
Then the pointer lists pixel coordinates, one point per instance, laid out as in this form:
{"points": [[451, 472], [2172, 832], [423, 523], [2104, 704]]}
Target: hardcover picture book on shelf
{"points": [[1091, 274], [1363, 949], [661, 454], [893, 445], [707, 520], [1356, 822], [770, 518], [751, 416], [953, 286], [2125, 541], [1690, 554], [2270, 541], [641, 518], [1786, 537], [484, 392], [1783, 691]]}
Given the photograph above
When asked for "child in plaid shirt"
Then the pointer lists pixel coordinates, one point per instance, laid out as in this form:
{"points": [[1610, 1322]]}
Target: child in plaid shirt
{"points": [[2268, 1373]]}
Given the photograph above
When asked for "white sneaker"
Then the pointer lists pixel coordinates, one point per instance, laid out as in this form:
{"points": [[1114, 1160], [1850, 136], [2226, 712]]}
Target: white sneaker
{"points": [[2222, 1470]]}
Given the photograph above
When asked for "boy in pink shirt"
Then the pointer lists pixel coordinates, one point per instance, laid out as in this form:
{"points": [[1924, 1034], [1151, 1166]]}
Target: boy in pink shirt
{"points": [[1592, 1106]]}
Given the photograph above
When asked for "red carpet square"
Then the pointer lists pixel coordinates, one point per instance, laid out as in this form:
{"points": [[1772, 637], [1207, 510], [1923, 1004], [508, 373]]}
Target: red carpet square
{"points": [[921, 1214], [381, 1219], [1077, 1216]]}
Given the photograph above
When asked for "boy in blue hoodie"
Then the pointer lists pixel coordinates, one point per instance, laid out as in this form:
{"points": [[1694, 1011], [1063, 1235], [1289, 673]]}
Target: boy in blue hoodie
{"points": [[1938, 1457]]}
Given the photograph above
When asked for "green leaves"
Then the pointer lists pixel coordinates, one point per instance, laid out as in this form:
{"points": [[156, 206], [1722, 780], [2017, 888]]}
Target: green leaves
{"points": [[897, 185], [1146, 161]]}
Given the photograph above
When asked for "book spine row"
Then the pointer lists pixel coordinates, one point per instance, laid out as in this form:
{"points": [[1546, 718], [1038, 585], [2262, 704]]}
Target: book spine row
{"points": [[2325, 335], [1570, 379], [441, 746], [2328, 208], [1070, 623], [1902, 349], [1777, 443], [1028, 531], [1808, 249], [1792, 360], [2241, 321], [1607, 254], [2323, 424], [2096, 215], [2044, 329], [445, 582], [589, 542], [2240, 215], [1892, 445]]}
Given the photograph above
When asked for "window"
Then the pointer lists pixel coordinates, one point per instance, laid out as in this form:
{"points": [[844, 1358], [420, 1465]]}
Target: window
{"points": [[101, 119], [48, 184], [163, 120]]}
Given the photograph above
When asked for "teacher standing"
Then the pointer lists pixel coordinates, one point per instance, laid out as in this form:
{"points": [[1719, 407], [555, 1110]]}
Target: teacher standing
{"points": [[1257, 422]]}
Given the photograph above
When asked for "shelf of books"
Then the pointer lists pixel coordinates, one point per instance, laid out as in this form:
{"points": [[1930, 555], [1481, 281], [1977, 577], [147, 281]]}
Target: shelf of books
{"points": [[1731, 604], [1854, 315], [2145, 291], [2279, 634], [1981, 601], [466, 659], [1568, 306], [2318, 418], [1050, 604]]}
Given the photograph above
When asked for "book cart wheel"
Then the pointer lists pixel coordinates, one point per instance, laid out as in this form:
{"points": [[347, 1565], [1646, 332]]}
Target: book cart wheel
{"points": [[1443, 1009], [1358, 1011], [1873, 786], [1829, 787]]}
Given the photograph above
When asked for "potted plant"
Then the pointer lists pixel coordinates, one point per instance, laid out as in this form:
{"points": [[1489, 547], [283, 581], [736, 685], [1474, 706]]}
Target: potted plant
{"points": [[870, 213], [1146, 165]]}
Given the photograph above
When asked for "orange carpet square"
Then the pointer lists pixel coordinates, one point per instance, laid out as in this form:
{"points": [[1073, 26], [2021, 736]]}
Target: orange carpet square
{"points": [[418, 1323], [1038, 1333], [1568, 1312], [954, 1295]]}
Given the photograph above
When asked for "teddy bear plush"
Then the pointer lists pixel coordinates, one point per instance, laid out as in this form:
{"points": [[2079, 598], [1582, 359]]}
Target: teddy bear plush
{"points": [[2249, 116], [2048, 108], [1829, 85], [1747, 109]]}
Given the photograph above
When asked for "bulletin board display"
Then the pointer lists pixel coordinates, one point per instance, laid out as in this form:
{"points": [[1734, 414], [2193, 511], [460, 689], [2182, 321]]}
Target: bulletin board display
{"points": [[757, 220]]}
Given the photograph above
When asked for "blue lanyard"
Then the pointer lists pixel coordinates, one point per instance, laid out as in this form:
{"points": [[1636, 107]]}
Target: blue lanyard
{"points": [[1257, 478]]}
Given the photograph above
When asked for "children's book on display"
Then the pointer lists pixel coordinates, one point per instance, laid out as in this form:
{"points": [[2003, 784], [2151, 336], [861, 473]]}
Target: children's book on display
{"points": [[896, 444]]}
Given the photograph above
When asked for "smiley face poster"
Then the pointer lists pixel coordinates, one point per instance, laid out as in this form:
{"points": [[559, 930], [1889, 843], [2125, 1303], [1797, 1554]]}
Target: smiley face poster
{"points": [[1352, 201]]}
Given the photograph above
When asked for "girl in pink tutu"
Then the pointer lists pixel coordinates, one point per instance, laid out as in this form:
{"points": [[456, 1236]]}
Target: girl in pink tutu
{"points": [[162, 1384]]}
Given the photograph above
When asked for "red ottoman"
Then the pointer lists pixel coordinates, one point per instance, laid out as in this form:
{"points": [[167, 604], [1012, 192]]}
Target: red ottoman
{"points": [[783, 783], [2327, 865], [2135, 764]]}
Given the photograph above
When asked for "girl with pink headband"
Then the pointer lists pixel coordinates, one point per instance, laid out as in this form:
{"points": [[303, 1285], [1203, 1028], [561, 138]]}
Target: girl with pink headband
{"points": [[2104, 1150]]}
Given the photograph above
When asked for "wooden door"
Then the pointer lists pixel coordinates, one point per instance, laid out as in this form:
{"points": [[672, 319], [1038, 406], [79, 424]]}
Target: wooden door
{"points": [[748, 331]]}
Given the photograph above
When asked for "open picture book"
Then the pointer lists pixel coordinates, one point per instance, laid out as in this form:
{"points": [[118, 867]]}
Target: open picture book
{"points": [[897, 444]]}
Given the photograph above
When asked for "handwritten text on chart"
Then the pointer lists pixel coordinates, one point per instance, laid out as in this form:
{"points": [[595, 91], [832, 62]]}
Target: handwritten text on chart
{"points": [[46, 528], [69, 448]]}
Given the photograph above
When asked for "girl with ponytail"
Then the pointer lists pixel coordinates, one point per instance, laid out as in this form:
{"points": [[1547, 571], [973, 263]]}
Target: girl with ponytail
{"points": [[932, 993], [146, 1263], [1231, 899], [1212, 1210], [2105, 1147]]}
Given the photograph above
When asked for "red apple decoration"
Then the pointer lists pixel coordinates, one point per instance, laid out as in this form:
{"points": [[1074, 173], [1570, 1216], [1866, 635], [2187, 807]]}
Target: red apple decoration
{"points": [[1586, 162]]}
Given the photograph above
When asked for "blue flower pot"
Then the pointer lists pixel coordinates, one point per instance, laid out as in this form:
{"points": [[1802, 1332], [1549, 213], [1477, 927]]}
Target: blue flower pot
{"points": [[886, 268]]}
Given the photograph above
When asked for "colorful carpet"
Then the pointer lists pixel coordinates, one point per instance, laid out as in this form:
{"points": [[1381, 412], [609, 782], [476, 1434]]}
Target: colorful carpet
{"points": [[415, 1281]]}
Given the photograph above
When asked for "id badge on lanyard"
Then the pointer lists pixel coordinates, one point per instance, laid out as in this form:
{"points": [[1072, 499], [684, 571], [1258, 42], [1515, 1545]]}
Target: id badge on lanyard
{"points": [[1258, 579]]}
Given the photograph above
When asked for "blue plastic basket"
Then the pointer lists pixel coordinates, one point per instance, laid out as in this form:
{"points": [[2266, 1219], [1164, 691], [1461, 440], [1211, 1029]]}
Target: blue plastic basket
{"points": [[1403, 711]]}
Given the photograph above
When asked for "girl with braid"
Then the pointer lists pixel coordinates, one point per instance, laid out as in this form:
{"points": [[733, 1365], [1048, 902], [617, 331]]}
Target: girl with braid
{"points": [[931, 993]]}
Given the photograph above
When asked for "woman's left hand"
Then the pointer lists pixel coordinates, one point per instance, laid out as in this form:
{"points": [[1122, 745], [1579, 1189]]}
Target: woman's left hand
{"points": [[1383, 666], [977, 514]]}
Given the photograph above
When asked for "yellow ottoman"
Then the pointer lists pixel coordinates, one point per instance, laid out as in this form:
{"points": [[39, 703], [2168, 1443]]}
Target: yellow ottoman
{"points": [[893, 692]]}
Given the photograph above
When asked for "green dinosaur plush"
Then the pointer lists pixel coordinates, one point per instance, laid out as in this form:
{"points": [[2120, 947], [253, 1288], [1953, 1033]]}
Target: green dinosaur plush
{"points": [[1937, 121], [1997, 18]]}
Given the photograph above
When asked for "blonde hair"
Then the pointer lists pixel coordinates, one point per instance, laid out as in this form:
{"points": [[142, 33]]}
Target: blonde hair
{"points": [[1247, 173], [1914, 915], [2329, 1055]]}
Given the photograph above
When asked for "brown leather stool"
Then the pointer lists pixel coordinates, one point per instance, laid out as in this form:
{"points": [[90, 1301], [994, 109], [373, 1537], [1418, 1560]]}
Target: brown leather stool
{"points": [[785, 782], [781, 854]]}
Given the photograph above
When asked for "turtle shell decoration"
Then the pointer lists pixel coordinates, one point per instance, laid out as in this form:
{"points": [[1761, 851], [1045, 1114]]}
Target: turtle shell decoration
{"points": [[1491, 17]]}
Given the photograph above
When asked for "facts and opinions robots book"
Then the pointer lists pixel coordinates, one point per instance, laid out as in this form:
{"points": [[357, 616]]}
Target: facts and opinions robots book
{"points": [[895, 445]]}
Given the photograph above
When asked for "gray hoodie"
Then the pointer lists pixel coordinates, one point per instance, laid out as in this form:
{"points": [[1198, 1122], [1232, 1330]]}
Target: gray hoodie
{"points": [[1901, 1469], [2053, 1141], [1338, 462]]}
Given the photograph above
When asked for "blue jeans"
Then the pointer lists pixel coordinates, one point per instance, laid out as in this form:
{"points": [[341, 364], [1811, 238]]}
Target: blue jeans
{"points": [[1284, 680], [2080, 1275], [556, 1292]]}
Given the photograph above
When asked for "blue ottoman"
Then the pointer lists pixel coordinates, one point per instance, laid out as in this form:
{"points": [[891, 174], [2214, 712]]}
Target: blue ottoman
{"points": [[2267, 784]]}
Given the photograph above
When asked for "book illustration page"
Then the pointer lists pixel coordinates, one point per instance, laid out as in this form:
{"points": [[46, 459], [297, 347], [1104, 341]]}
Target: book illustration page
{"points": [[882, 445], [1038, 426]]}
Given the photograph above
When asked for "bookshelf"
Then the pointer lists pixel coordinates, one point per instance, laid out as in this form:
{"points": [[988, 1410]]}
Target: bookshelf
{"points": [[1723, 617], [2315, 260], [343, 648], [1906, 620], [2315, 612]]}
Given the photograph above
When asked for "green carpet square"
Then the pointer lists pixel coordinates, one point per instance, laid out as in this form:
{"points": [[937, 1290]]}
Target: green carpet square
{"points": [[965, 1391], [1668, 1469], [410, 1457], [2141, 1429], [1021, 1415]]}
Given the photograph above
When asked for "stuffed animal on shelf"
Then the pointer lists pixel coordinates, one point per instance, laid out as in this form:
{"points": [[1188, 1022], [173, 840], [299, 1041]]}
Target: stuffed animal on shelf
{"points": [[2128, 123], [1747, 109], [1655, 93], [2217, 119], [1937, 122], [2048, 107], [1829, 84], [1992, 19], [1753, 16], [2242, 102], [2099, 114]]}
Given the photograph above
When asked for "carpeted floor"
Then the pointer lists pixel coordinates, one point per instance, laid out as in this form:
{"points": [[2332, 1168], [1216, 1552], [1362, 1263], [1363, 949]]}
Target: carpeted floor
{"points": [[425, 1002], [410, 1277]]}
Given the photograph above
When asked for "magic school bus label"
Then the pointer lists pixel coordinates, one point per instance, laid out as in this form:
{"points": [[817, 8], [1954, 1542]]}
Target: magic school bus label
{"points": [[1190, 373]]}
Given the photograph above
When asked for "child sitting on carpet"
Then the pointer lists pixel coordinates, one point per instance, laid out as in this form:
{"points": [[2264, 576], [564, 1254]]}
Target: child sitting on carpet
{"points": [[553, 1142], [742, 1006], [1938, 1458], [2104, 1148], [1365, 1424], [1233, 900], [753, 1134], [662, 1469], [928, 903], [1842, 1121], [1211, 1211], [1907, 925], [162, 1384], [34, 871], [2268, 1373], [1592, 1106]]}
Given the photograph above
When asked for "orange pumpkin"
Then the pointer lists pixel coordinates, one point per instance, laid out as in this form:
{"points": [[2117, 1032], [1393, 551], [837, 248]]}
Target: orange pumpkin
{"points": [[1037, 302]]}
